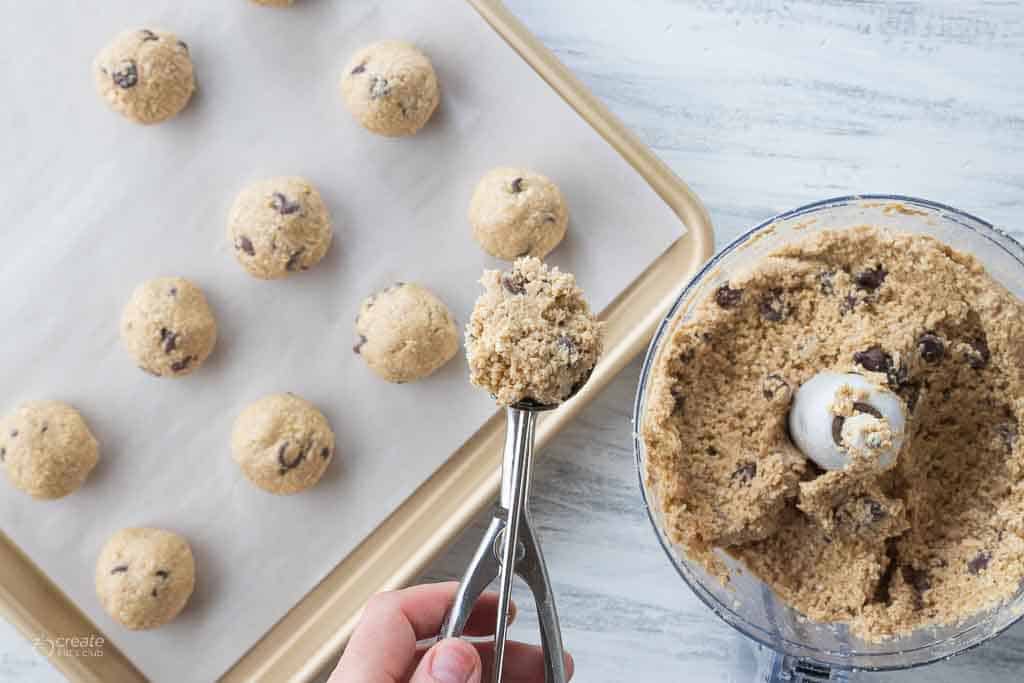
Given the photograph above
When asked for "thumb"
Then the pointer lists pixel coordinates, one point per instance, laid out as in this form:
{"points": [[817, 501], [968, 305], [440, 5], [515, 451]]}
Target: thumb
{"points": [[450, 661]]}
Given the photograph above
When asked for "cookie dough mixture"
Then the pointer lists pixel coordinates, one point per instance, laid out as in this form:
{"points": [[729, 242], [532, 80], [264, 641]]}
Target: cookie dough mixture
{"points": [[145, 74], [168, 327], [933, 539], [531, 336], [405, 333], [278, 227], [391, 88], [144, 577], [46, 449], [282, 443], [515, 212], [274, 3]]}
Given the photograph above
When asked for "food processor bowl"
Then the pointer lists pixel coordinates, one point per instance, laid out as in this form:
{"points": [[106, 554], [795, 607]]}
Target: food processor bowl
{"points": [[803, 650]]}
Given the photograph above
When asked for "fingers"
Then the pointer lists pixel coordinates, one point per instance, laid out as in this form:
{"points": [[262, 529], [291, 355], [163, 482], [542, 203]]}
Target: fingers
{"points": [[450, 661], [383, 647], [484, 619], [523, 663]]}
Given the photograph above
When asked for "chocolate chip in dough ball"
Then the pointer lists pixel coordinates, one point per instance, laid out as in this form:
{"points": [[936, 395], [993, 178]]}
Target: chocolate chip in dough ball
{"points": [[168, 327], [278, 227], [532, 336], [145, 74], [144, 577], [405, 333], [46, 449], [390, 88], [515, 212], [282, 443]]}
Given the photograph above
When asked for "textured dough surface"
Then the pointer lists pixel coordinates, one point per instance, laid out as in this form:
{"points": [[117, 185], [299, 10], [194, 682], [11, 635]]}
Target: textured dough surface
{"points": [[279, 226], [282, 443], [531, 336], [46, 449], [144, 577], [933, 540], [516, 212], [390, 88], [168, 327], [405, 333], [146, 75]]}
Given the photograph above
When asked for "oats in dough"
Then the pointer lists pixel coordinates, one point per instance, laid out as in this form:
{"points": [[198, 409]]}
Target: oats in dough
{"points": [[390, 88], [46, 449], [515, 212], [933, 539], [405, 333], [168, 327], [278, 227], [144, 577], [145, 74], [282, 443], [531, 336]]}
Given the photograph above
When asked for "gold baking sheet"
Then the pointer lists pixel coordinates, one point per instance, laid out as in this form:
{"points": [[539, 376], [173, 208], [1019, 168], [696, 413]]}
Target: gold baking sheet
{"points": [[298, 646]]}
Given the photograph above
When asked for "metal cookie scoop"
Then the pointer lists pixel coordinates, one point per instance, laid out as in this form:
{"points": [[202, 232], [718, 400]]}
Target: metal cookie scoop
{"points": [[510, 547]]}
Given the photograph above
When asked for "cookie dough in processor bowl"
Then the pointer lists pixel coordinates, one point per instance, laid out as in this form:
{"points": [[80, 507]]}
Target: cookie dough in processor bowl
{"points": [[725, 522]]}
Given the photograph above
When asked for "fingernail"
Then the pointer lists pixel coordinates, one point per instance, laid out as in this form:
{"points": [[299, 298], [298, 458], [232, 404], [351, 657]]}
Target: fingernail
{"points": [[452, 663]]}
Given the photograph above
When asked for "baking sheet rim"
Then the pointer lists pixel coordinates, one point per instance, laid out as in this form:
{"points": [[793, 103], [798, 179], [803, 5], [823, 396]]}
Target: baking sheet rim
{"points": [[305, 640]]}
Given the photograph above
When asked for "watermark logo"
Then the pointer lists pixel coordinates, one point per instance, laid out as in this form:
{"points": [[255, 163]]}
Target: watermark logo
{"points": [[70, 646]]}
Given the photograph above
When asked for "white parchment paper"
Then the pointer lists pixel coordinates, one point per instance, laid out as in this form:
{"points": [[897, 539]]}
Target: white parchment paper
{"points": [[93, 204]]}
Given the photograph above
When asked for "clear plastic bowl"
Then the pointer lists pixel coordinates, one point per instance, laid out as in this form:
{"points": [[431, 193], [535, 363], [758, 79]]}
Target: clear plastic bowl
{"points": [[747, 604]]}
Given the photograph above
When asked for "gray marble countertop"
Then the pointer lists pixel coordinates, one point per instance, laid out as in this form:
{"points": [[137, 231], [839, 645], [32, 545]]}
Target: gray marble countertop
{"points": [[761, 105]]}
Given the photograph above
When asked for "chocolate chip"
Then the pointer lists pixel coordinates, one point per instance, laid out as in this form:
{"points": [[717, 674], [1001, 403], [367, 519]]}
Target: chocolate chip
{"points": [[163, 574], [44, 428], [14, 432], [875, 510], [153, 593], [126, 75], [358, 347], [979, 355], [871, 279], [1008, 434], [360, 68], [283, 205], [848, 304], [325, 453], [179, 365], [148, 35], [712, 452], [745, 473], [517, 186], [917, 579], [726, 297], [3, 454], [862, 407], [245, 244], [169, 339], [293, 260], [910, 392], [827, 282], [183, 45], [514, 283], [679, 396], [119, 569], [285, 463], [567, 344], [173, 291], [774, 385], [837, 430], [979, 563], [773, 308], [874, 359], [931, 347]]}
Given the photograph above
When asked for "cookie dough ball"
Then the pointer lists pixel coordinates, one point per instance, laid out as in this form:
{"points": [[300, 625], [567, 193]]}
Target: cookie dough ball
{"points": [[47, 449], [282, 443], [145, 74], [515, 212], [279, 226], [405, 333], [531, 336], [144, 577], [168, 327], [391, 88]]}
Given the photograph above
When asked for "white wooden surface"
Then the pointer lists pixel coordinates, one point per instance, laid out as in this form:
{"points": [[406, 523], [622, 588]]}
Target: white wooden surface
{"points": [[761, 105]]}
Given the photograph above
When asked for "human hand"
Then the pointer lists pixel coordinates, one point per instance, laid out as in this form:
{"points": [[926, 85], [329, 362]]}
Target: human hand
{"points": [[384, 648]]}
